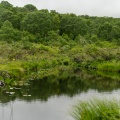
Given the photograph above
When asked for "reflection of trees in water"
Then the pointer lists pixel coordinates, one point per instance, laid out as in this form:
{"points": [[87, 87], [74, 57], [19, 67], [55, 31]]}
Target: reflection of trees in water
{"points": [[67, 83], [11, 114], [11, 111]]}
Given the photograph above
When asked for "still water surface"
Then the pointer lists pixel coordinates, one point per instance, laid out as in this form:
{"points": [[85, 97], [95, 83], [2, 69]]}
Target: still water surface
{"points": [[52, 98]]}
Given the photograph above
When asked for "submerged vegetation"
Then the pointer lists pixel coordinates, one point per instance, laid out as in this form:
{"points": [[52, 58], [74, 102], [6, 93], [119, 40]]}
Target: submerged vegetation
{"points": [[97, 109], [36, 43]]}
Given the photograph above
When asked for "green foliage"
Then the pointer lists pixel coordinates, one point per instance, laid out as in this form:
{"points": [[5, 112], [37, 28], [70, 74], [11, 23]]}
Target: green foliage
{"points": [[72, 25], [27, 37], [30, 66], [30, 7], [42, 23], [105, 31], [8, 33], [97, 109], [109, 66], [6, 4], [45, 40], [94, 38], [5, 14], [83, 29]]}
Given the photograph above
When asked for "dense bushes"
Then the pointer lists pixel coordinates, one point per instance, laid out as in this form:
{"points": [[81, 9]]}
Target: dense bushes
{"points": [[34, 57]]}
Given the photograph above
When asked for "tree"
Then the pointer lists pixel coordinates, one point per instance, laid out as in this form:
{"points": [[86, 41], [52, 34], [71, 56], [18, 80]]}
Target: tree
{"points": [[30, 7], [8, 33], [5, 14], [55, 20], [6, 4], [116, 31], [105, 31], [37, 23], [72, 25]]}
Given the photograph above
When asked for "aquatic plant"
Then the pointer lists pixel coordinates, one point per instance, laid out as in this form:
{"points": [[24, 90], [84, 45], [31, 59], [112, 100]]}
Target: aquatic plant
{"points": [[97, 109]]}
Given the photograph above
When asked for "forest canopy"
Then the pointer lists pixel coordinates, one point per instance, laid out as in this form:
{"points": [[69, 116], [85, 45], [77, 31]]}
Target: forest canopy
{"points": [[29, 23]]}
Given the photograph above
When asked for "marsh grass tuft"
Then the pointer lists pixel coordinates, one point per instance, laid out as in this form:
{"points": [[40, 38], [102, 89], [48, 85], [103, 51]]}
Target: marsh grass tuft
{"points": [[110, 66], [97, 109]]}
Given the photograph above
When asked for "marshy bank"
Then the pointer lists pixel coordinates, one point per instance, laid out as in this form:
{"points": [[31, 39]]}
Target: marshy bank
{"points": [[21, 61]]}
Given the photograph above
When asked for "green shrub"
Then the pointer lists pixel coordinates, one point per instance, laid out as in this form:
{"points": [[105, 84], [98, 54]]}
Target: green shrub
{"points": [[30, 66]]}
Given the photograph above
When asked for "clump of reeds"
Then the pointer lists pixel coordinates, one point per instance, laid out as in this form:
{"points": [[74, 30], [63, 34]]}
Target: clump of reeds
{"points": [[97, 109]]}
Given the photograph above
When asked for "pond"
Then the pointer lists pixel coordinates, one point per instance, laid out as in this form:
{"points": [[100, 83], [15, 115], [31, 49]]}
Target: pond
{"points": [[52, 97]]}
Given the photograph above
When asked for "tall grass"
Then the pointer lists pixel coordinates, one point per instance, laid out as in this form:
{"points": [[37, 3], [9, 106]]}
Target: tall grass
{"points": [[109, 66], [97, 109]]}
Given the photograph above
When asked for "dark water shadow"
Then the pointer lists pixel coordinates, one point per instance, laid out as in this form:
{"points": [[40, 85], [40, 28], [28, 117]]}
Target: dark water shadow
{"points": [[67, 83]]}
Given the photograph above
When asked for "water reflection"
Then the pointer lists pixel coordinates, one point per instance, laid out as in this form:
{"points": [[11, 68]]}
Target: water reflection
{"points": [[56, 108], [66, 83], [49, 98]]}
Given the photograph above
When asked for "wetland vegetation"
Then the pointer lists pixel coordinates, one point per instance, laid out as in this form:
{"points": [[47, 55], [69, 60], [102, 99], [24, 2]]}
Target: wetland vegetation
{"points": [[40, 42], [37, 44], [97, 109]]}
